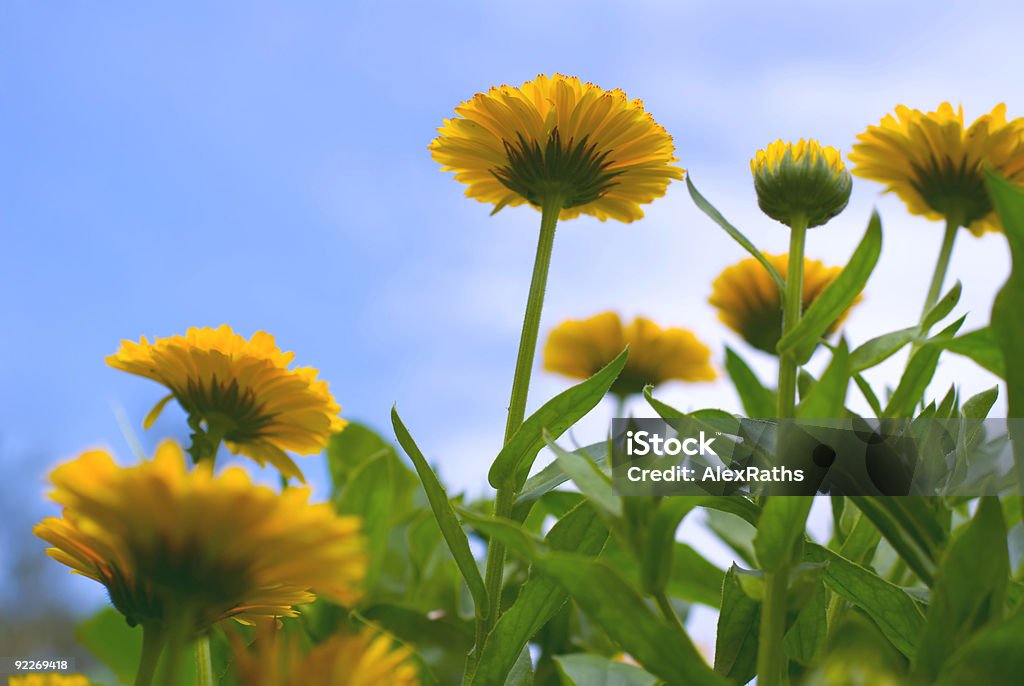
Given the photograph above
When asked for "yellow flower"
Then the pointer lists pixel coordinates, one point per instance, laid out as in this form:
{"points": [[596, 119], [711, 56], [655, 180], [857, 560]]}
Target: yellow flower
{"points": [[800, 180], [748, 299], [368, 658], [935, 166], [243, 391], [162, 538], [48, 679], [596, 150], [578, 349]]}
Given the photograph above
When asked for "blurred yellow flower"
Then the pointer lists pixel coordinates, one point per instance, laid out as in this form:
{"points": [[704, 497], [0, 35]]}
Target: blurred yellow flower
{"points": [[243, 391], [748, 302], [48, 679], [803, 180], [368, 658], [598, 151], [162, 538], [935, 165], [578, 349]]}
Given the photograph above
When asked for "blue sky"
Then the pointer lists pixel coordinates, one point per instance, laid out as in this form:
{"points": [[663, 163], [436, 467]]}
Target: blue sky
{"points": [[265, 165]]}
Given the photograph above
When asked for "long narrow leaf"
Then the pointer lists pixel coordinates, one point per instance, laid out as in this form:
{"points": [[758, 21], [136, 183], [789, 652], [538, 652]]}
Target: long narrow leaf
{"points": [[837, 296], [454, 536], [555, 416]]}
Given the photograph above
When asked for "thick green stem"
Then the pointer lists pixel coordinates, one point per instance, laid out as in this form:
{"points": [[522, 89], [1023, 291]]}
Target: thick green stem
{"points": [[152, 645], [941, 266], [771, 654], [505, 497], [179, 630], [791, 311], [204, 662]]}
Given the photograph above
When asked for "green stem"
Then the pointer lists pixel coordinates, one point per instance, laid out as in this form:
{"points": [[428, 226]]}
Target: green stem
{"points": [[204, 662], [178, 631], [771, 654], [505, 497], [941, 266], [667, 610], [791, 310], [152, 645]]}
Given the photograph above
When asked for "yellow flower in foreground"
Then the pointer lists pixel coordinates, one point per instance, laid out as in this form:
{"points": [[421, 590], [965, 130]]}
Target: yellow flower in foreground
{"points": [[935, 165], [800, 180], [243, 391], [598, 151], [578, 349], [48, 679], [162, 538], [748, 302], [368, 658]]}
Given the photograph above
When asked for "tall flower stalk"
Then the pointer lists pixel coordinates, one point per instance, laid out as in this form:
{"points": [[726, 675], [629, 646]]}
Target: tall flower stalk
{"points": [[567, 148], [801, 185]]}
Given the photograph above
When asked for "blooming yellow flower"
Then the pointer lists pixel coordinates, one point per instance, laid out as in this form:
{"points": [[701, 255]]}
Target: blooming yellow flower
{"points": [[368, 658], [242, 390], [578, 349], [748, 302], [597, 150], [162, 538], [803, 179], [48, 679], [936, 166]]}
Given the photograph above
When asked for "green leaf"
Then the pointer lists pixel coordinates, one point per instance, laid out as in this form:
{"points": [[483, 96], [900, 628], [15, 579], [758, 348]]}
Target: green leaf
{"points": [[868, 393], [758, 401], [349, 449], [606, 598], [369, 495], [836, 298], [514, 461], [909, 526], [881, 348], [780, 531], [943, 307], [582, 669], [664, 410], [716, 216], [552, 476], [658, 547], [969, 590], [609, 601], [580, 531], [452, 531], [891, 608], [589, 478], [919, 373], [994, 655], [738, 620], [978, 406], [693, 578], [118, 646], [1008, 309], [805, 638], [827, 397], [981, 346], [521, 673]]}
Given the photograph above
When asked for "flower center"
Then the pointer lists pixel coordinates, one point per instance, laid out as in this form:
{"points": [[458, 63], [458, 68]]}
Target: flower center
{"points": [[575, 171]]}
